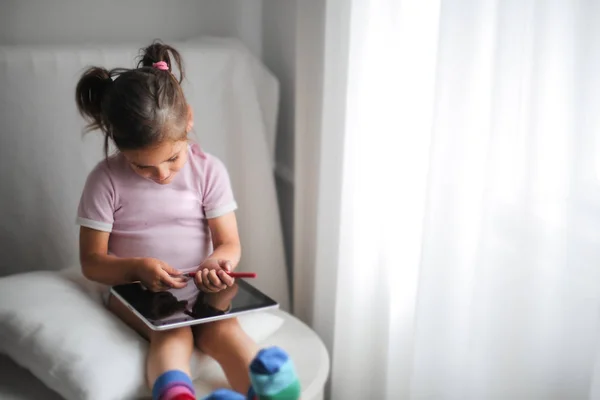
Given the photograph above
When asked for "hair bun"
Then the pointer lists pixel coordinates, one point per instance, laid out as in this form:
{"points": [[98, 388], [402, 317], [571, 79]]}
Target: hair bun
{"points": [[159, 52]]}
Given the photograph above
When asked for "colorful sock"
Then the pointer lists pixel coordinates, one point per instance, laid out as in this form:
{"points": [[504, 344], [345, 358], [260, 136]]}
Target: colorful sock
{"points": [[273, 376], [173, 385], [225, 394]]}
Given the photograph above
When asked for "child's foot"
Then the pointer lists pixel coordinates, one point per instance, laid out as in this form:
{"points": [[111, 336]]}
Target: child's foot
{"points": [[273, 376], [173, 385]]}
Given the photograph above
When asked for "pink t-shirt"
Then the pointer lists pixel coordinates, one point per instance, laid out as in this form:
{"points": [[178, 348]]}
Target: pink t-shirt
{"points": [[167, 222]]}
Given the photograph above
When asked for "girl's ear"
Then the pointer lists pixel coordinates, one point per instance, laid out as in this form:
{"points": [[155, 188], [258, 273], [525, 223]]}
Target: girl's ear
{"points": [[190, 120]]}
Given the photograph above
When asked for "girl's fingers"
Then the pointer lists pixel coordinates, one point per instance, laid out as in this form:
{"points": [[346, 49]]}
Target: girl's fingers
{"points": [[206, 281], [214, 279], [226, 278], [170, 282]]}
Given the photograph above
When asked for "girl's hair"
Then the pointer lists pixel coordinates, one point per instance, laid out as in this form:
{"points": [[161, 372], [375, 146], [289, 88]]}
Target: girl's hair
{"points": [[136, 108]]}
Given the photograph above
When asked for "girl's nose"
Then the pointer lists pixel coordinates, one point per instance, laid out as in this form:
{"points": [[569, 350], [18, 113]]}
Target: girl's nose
{"points": [[163, 173]]}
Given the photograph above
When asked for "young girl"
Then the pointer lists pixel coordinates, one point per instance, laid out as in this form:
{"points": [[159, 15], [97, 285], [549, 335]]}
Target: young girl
{"points": [[159, 208]]}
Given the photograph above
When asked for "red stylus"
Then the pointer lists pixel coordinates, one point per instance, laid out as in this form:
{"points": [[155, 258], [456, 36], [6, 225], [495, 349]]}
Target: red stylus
{"points": [[231, 274]]}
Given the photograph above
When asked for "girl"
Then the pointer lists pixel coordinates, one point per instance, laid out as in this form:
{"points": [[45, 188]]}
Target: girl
{"points": [[157, 209]]}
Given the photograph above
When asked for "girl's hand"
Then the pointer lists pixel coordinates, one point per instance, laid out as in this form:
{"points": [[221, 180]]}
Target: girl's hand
{"points": [[158, 276], [212, 276]]}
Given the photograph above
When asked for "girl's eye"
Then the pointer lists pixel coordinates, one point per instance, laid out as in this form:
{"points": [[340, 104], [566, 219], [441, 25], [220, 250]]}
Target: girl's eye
{"points": [[140, 167], [173, 159]]}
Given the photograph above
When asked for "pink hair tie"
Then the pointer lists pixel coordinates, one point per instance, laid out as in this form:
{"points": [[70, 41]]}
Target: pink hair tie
{"points": [[163, 66]]}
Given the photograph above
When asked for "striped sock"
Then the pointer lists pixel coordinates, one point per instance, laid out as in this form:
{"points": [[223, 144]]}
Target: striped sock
{"points": [[173, 385], [273, 376]]}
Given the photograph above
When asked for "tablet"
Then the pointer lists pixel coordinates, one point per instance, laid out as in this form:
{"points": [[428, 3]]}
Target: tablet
{"points": [[189, 306]]}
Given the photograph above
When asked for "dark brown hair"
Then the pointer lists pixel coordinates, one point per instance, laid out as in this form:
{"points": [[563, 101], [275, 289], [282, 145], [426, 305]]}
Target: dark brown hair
{"points": [[135, 108]]}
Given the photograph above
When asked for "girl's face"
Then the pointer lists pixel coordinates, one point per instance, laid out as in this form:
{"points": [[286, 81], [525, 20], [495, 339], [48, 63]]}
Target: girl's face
{"points": [[159, 163]]}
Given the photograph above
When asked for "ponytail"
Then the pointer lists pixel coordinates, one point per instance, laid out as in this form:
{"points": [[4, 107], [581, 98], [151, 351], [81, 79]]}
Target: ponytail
{"points": [[89, 93], [157, 52]]}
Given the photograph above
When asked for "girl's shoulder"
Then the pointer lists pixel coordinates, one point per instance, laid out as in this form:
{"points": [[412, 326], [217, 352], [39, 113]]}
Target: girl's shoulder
{"points": [[110, 168], [204, 159], [208, 166]]}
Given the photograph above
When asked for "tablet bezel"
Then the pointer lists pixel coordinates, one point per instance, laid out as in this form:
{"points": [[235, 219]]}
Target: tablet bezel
{"points": [[245, 310]]}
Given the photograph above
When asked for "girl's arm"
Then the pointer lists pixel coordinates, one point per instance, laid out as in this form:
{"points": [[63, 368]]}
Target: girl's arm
{"points": [[211, 276], [97, 265], [225, 239]]}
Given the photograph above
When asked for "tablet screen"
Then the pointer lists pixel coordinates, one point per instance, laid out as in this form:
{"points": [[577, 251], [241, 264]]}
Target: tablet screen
{"points": [[189, 306]]}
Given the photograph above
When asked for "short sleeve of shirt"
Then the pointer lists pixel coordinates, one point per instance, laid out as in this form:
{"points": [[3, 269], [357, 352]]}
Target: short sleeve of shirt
{"points": [[218, 197], [96, 207]]}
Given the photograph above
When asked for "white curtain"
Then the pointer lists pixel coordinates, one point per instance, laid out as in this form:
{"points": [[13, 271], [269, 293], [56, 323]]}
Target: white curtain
{"points": [[466, 242]]}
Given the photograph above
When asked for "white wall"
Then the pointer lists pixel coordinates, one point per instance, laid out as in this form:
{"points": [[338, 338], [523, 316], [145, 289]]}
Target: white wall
{"points": [[247, 22], [279, 55], [112, 21], [310, 62]]}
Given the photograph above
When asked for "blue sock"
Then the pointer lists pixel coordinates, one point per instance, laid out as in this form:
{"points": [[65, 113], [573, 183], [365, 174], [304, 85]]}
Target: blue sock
{"points": [[225, 394], [273, 376], [169, 380]]}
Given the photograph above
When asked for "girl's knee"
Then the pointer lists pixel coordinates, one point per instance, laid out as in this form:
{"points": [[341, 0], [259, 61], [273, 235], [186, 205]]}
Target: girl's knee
{"points": [[214, 334], [180, 335]]}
